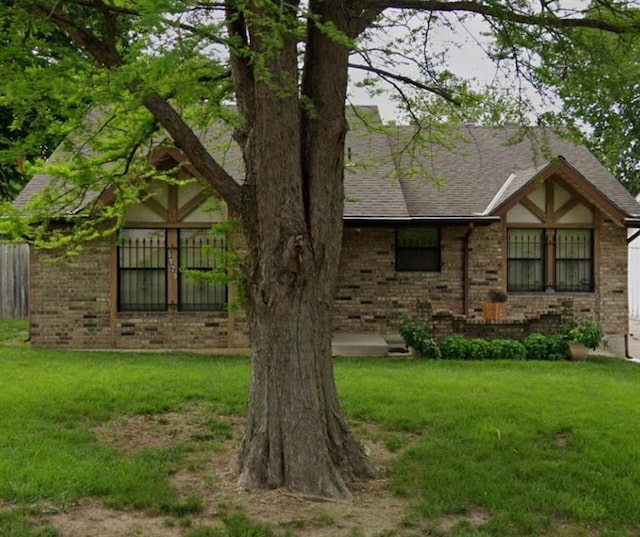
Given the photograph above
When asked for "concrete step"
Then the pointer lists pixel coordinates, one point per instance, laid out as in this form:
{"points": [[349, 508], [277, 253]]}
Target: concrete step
{"points": [[359, 345]]}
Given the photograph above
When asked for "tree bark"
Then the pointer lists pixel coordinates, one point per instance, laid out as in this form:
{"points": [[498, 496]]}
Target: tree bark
{"points": [[297, 436]]}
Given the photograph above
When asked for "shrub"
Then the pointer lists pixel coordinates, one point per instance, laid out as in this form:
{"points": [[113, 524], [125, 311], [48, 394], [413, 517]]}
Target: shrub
{"points": [[417, 335], [538, 346], [541, 347], [455, 348], [479, 349], [558, 348], [507, 349]]}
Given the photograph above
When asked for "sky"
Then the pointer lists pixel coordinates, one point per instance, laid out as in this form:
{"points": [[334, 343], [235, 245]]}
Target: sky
{"points": [[466, 50]]}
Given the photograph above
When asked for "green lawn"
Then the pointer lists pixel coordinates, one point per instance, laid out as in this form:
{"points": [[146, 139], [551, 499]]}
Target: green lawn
{"points": [[537, 445]]}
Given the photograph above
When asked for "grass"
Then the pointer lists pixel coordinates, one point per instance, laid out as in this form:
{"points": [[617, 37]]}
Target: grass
{"points": [[536, 445], [13, 332]]}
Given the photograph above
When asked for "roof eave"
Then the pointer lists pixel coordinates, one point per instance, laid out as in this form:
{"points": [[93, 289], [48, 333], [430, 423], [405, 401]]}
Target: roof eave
{"points": [[413, 220]]}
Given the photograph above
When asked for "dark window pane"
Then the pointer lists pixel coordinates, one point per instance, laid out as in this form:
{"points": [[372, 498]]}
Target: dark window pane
{"points": [[201, 277], [525, 260], [142, 282], [418, 249], [574, 260]]}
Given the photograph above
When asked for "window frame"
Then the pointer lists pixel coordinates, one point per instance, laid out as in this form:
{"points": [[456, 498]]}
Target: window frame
{"points": [[214, 290], [551, 259], [589, 287], [431, 265], [511, 288], [172, 274], [138, 306]]}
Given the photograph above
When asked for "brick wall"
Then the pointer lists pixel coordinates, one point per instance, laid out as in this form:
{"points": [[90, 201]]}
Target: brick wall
{"points": [[71, 306], [445, 324], [613, 310], [71, 301], [372, 297]]}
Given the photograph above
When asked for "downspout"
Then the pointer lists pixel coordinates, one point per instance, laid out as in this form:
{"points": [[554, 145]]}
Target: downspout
{"points": [[626, 346], [465, 270], [630, 239]]}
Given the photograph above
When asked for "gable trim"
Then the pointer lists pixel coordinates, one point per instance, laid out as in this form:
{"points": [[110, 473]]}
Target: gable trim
{"points": [[562, 169]]}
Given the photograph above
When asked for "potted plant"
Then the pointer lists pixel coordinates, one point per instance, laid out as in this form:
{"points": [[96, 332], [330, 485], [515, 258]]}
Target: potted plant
{"points": [[582, 334], [494, 308]]}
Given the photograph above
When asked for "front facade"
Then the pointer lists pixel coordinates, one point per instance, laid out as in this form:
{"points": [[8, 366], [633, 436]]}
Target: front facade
{"points": [[550, 236], [132, 292]]}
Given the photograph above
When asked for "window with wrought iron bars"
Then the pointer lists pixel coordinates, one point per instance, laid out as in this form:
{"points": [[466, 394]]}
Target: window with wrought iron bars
{"points": [[157, 271], [571, 253]]}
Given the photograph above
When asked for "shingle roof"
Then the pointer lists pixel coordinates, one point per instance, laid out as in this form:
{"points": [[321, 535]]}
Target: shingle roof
{"points": [[484, 158], [388, 177]]}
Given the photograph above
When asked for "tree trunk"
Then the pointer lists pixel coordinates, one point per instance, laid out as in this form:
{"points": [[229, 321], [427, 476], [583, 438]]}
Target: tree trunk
{"points": [[297, 436]]}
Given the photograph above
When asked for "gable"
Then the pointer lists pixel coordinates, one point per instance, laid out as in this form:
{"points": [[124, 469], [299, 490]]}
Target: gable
{"points": [[558, 194], [176, 203], [551, 203]]}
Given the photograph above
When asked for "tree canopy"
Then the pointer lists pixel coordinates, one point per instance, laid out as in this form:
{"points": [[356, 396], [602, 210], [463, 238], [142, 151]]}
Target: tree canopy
{"points": [[132, 74], [596, 77]]}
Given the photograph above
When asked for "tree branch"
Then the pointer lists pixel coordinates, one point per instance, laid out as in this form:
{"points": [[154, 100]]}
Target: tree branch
{"points": [[181, 133], [241, 69], [497, 11], [187, 141], [407, 80]]}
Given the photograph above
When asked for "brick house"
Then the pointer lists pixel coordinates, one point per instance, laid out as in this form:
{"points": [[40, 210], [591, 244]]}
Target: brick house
{"points": [[428, 231]]}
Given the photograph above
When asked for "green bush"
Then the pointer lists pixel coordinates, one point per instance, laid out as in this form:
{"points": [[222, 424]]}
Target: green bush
{"points": [[558, 348], [479, 349], [507, 349], [541, 347], [417, 335], [538, 346], [455, 348]]}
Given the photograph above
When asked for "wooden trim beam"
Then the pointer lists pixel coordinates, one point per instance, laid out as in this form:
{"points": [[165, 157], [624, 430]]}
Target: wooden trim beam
{"points": [[191, 205], [534, 209], [156, 207], [561, 169], [566, 207], [633, 237], [172, 269]]}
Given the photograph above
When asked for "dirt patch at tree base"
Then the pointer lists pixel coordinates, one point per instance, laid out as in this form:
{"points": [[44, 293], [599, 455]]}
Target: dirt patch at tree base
{"points": [[207, 473]]}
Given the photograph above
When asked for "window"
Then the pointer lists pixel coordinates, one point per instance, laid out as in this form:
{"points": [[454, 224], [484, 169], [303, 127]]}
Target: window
{"points": [[525, 260], [418, 249], [558, 259], [574, 260], [199, 251], [153, 266], [142, 281]]}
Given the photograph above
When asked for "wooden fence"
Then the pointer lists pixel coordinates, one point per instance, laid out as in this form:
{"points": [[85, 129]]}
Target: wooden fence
{"points": [[14, 281]]}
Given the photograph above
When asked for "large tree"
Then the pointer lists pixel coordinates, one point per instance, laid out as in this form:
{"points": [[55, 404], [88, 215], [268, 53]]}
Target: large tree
{"points": [[596, 77], [146, 65]]}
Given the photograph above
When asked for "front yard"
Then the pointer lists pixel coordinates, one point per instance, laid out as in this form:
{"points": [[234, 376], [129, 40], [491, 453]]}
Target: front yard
{"points": [[116, 444]]}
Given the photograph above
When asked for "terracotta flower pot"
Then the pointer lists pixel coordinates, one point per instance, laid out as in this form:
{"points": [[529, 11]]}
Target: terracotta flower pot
{"points": [[577, 351], [492, 311]]}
